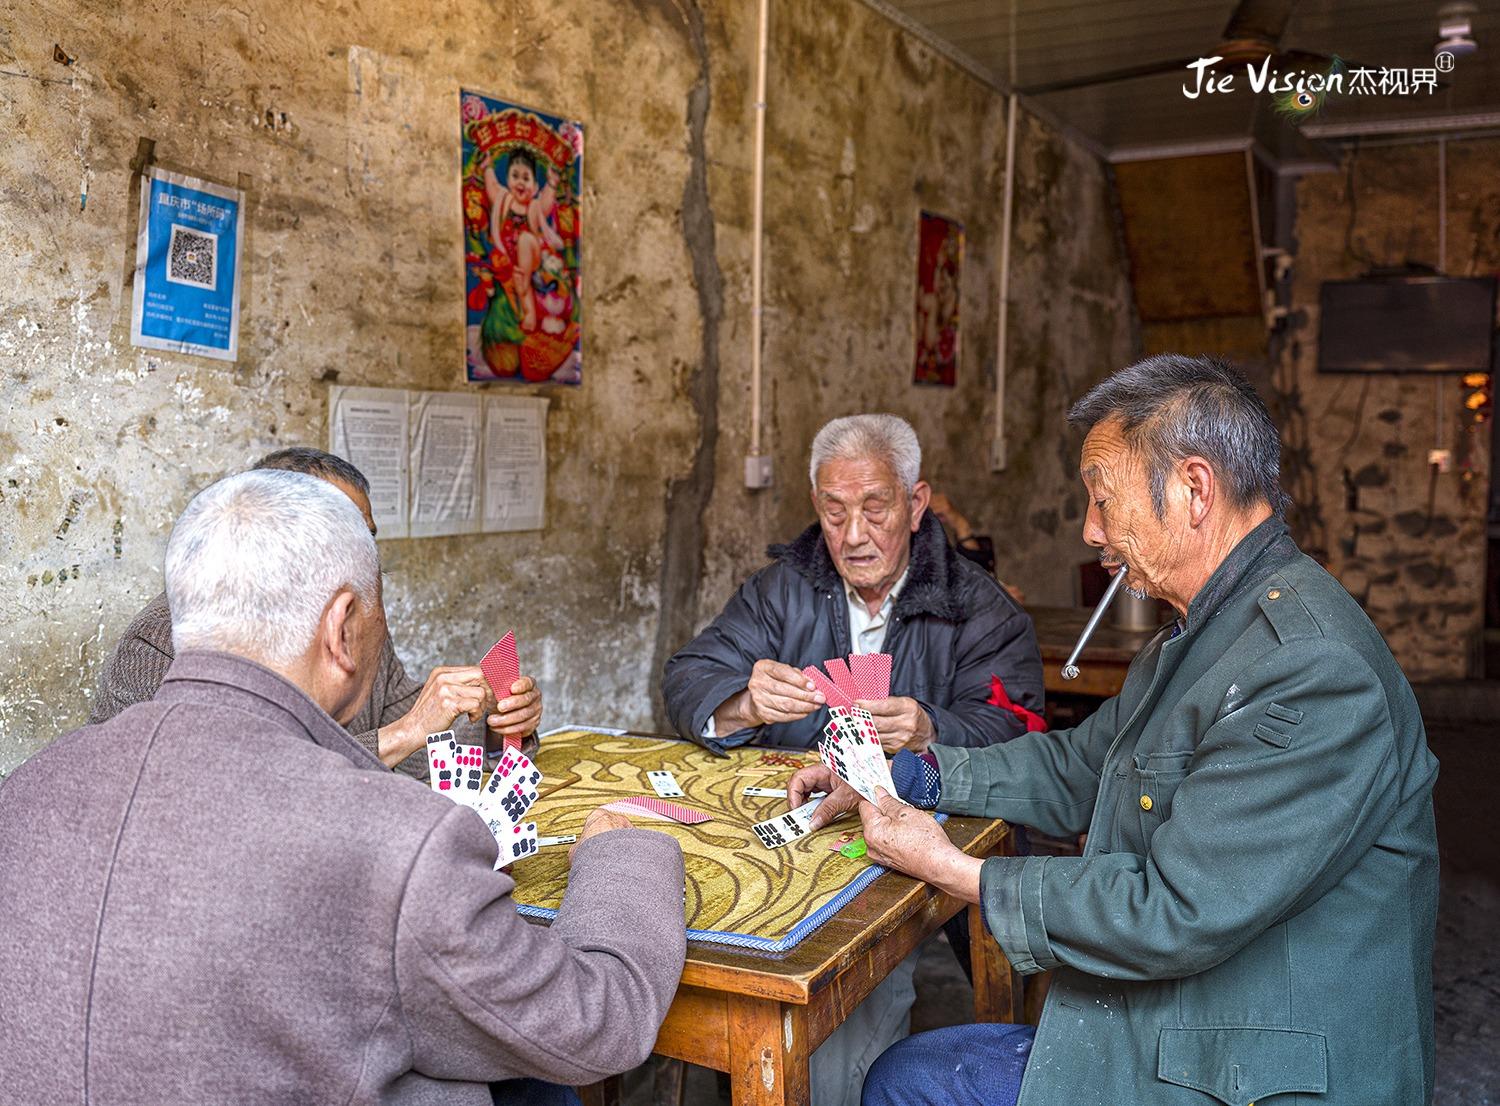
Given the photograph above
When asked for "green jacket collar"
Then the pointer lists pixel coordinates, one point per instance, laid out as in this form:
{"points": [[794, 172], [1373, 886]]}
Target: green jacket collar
{"points": [[1269, 543]]}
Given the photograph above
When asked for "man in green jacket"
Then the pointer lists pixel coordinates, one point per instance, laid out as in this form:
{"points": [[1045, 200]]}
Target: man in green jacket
{"points": [[1252, 918]]}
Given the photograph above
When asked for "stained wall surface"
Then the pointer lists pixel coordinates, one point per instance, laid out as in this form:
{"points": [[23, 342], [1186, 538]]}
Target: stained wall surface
{"points": [[1408, 542], [340, 121]]}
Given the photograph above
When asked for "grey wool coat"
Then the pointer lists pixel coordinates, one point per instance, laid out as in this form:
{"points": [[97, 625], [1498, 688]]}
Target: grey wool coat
{"points": [[1252, 919], [220, 896]]}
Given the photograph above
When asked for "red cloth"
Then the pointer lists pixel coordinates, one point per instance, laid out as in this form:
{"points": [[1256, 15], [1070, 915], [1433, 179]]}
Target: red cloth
{"points": [[1034, 722]]}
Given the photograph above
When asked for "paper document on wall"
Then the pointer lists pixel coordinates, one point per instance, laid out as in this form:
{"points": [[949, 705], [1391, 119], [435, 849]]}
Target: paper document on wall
{"points": [[444, 458], [368, 428], [515, 462]]}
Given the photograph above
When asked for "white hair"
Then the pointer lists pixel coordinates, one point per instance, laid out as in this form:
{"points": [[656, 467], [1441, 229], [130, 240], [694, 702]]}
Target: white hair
{"points": [[255, 558], [887, 438]]}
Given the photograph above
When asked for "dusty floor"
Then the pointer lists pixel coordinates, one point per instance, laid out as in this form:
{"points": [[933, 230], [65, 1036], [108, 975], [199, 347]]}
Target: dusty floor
{"points": [[1466, 960]]}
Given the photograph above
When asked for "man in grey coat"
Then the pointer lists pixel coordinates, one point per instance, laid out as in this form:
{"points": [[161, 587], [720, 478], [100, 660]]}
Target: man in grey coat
{"points": [[1252, 919], [220, 896]]}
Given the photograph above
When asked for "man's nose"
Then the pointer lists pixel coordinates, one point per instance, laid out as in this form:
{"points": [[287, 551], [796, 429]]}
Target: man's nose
{"points": [[1093, 528], [854, 530]]}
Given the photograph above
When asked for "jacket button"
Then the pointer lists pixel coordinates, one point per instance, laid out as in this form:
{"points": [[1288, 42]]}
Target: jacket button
{"points": [[1145, 802], [1274, 593]]}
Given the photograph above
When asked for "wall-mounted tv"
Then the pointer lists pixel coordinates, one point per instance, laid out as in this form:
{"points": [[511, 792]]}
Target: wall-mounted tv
{"points": [[1406, 323]]}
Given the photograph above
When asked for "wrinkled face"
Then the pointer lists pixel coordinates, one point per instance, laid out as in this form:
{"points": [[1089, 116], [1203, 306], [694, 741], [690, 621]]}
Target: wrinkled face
{"points": [[868, 520], [521, 181], [1121, 522]]}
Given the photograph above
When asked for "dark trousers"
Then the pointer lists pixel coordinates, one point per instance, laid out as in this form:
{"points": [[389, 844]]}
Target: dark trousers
{"points": [[963, 1065], [532, 1092]]}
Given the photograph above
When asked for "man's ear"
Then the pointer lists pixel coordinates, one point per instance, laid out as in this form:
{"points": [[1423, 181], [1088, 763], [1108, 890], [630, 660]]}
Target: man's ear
{"points": [[921, 496], [336, 631], [1199, 487]]}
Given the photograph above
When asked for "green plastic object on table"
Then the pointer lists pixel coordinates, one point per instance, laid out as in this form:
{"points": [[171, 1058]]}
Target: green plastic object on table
{"points": [[854, 850]]}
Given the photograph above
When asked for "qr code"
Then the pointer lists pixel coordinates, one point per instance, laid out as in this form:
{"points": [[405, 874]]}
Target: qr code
{"points": [[192, 257]]}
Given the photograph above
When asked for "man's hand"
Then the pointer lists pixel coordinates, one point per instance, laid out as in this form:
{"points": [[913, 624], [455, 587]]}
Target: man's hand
{"points": [[910, 840], [901, 724], [448, 693], [600, 821], [520, 712], [817, 777], [777, 693]]}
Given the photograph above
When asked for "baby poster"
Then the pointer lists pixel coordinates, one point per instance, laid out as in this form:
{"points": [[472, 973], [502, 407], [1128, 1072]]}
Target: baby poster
{"points": [[940, 257], [522, 177]]}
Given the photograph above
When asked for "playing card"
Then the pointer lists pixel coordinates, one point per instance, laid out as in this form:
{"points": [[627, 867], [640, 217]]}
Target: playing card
{"points": [[501, 665], [833, 695], [872, 675], [842, 678], [512, 787], [513, 762], [675, 811], [440, 766], [468, 774], [565, 839], [628, 808], [518, 841], [766, 792], [785, 828], [665, 784], [854, 755]]}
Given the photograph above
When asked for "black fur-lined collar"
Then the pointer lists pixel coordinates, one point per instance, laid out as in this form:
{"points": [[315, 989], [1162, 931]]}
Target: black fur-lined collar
{"points": [[931, 580]]}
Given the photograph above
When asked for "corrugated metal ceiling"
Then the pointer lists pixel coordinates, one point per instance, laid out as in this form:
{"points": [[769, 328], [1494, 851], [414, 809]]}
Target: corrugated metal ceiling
{"points": [[1061, 41]]}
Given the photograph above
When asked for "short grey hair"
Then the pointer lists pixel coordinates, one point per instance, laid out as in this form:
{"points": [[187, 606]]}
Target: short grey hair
{"points": [[1173, 406], [887, 438], [255, 558]]}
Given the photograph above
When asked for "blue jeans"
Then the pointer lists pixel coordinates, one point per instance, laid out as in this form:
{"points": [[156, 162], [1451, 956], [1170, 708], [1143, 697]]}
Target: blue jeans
{"points": [[962, 1065], [532, 1092]]}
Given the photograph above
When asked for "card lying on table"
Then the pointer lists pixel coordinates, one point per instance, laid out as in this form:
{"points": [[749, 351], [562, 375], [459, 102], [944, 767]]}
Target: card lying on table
{"points": [[647, 806], [785, 828]]}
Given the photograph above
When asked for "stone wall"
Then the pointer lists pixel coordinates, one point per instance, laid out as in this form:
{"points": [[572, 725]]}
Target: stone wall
{"points": [[341, 121], [1407, 542]]}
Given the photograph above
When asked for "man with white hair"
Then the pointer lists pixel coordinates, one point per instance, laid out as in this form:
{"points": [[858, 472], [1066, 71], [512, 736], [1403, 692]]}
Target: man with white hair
{"points": [[874, 574], [220, 896], [397, 715]]}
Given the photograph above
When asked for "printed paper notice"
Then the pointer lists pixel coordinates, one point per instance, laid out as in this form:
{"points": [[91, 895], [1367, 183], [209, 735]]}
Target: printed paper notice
{"points": [[444, 464], [367, 428], [515, 462]]}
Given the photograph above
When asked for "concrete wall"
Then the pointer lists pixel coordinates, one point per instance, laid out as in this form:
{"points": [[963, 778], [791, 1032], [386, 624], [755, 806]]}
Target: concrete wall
{"points": [[342, 117], [1407, 543]]}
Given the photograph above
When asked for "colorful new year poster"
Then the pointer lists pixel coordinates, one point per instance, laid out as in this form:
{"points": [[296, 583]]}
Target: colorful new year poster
{"points": [[940, 257], [187, 266], [522, 178]]}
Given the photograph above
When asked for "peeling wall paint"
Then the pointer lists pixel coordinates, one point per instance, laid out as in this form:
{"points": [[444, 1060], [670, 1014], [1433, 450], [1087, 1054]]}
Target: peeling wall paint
{"points": [[340, 123]]}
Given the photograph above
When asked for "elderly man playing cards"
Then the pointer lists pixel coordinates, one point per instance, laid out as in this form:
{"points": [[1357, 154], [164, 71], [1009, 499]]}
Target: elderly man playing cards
{"points": [[873, 578], [1252, 918], [221, 896], [395, 720]]}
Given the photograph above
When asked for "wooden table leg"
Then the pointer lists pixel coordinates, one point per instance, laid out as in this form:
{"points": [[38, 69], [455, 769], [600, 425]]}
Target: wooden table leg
{"points": [[768, 1052], [604, 1093], [997, 986]]}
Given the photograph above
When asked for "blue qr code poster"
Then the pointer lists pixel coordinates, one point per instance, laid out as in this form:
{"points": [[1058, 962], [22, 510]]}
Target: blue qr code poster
{"points": [[187, 266]]}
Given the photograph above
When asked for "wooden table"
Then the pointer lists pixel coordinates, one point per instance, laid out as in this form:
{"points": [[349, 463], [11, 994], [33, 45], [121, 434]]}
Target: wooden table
{"points": [[759, 1016], [1101, 666]]}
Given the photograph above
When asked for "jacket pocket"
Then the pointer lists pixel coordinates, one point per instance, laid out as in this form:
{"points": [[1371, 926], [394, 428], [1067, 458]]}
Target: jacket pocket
{"points": [[1154, 780], [1243, 1065]]}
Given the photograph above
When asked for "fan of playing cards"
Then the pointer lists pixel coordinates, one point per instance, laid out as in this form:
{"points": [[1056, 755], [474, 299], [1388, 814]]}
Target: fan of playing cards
{"points": [[457, 770], [851, 745]]}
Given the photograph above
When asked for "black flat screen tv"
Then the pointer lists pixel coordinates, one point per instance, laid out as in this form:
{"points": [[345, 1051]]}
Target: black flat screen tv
{"points": [[1406, 324]]}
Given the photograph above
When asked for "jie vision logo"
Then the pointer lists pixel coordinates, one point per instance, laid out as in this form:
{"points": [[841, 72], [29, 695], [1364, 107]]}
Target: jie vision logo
{"points": [[1302, 88]]}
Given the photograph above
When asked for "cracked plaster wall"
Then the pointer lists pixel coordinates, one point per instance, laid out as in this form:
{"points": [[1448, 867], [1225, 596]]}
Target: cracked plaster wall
{"points": [[342, 119]]}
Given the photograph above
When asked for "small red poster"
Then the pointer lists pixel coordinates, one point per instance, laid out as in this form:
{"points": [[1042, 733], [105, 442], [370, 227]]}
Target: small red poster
{"points": [[940, 257]]}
